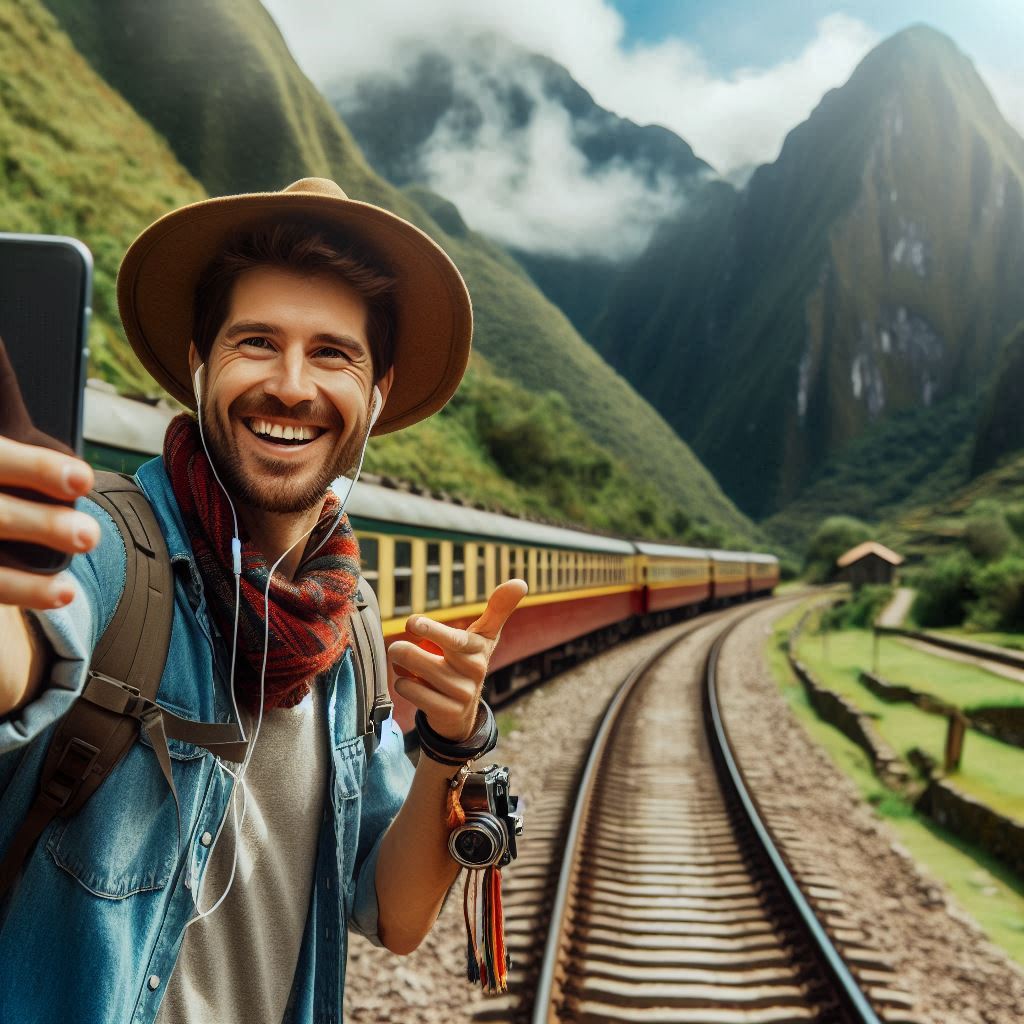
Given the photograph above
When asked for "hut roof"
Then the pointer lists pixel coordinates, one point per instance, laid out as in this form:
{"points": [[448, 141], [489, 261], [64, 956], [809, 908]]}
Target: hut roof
{"points": [[869, 547]]}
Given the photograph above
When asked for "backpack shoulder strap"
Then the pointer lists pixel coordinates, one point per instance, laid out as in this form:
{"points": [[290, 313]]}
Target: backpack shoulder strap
{"points": [[118, 699], [369, 658], [91, 738]]}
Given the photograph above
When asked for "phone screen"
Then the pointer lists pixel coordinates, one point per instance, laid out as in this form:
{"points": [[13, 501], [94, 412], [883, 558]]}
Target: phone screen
{"points": [[45, 294]]}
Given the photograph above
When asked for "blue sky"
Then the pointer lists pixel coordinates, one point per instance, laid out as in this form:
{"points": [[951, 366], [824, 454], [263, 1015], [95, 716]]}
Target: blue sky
{"points": [[734, 34]]}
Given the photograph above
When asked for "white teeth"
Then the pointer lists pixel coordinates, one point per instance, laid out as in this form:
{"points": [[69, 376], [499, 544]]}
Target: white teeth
{"points": [[289, 433]]}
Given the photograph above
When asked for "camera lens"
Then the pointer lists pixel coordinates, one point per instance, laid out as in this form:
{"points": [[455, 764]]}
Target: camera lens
{"points": [[478, 843]]}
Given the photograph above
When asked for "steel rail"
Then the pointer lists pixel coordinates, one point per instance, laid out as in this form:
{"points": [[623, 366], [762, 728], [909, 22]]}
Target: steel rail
{"points": [[850, 994], [542, 1007]]}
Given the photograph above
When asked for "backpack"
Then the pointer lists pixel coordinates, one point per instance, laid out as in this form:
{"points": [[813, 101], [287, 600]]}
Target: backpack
{"points": [[118, 700]]}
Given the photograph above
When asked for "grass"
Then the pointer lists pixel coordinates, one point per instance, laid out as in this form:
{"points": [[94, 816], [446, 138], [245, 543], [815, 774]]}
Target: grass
{"points": [[989, 892], [991, 771], [1014, 641], [508, 722]]}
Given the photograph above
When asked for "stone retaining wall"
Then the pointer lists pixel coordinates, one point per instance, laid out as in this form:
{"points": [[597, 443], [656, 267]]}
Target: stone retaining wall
{"points": [[1002, 723], [895, 693], [852, 723], [974, 821]]}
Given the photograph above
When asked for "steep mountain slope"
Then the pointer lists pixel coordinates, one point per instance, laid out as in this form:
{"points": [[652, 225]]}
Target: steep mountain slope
{"points": [[1001, 429], [487, 107], [218, 82], [75, 159], [874, 267]]}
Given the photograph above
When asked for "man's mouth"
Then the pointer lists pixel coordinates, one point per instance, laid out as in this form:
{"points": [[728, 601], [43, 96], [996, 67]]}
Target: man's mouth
{"points": [[288, 436]]}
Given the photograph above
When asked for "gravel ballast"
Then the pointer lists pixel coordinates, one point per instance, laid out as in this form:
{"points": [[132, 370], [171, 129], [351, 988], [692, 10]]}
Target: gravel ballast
{"points": [[938, 954]]}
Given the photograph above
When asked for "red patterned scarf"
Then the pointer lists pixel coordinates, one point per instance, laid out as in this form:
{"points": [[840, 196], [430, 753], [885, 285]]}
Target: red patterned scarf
{"points": [[308, 616]]}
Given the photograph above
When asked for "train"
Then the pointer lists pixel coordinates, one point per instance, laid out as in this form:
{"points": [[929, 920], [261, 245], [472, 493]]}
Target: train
{"points": [[443, 557]]}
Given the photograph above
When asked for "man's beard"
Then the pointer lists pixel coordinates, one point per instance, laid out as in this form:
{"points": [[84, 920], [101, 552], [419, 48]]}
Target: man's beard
{"points": [[281, 493]]}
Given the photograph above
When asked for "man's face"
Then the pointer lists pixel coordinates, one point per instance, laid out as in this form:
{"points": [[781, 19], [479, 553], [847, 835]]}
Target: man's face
{"points": [[291, 358]]}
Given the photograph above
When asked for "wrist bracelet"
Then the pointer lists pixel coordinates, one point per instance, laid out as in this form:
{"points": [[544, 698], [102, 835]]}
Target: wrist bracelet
{"points": [[481, 741]]}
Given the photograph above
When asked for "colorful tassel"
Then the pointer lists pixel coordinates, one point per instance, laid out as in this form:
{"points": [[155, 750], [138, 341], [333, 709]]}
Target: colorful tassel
{"points": [[487, 960]]}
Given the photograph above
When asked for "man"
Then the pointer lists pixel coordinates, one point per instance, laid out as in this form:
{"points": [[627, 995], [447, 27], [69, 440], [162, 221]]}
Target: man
{"points": [[294, 321]]}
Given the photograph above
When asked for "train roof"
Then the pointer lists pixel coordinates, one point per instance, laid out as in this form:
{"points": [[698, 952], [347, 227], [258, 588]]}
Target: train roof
{"points": [[761, 558], [728, 556], [389, 505], [111, 419], [669, 550]]}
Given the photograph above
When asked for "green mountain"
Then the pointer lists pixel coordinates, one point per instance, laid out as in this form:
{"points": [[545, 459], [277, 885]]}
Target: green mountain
{"points": [[491, 98], [75, 159], [1001, 430], [217, 81], [874, 268]]}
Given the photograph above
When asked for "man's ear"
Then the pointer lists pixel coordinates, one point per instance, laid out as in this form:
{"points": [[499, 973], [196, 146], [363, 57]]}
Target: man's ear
{"points": [[194, 362], [384, 384]]}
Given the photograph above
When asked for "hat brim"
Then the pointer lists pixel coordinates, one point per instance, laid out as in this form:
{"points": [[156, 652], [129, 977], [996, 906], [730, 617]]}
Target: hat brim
{"points": [[157, 281]]}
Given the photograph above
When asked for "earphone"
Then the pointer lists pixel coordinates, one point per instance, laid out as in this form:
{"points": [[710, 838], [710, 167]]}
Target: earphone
{"points": [[236, 552]]}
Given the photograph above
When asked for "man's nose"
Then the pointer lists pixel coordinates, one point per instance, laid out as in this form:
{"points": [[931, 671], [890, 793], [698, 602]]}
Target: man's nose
{"points": [[291, 382]]}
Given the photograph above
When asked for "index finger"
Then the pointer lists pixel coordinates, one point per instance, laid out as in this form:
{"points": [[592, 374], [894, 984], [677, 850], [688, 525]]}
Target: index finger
{"points": [[500, 605], [41, 469]]}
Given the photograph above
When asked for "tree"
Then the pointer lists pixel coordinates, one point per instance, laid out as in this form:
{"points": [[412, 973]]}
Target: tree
{"points": [[835, 535]]}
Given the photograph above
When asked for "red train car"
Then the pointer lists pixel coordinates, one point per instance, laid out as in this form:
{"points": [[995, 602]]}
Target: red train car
{"points": [[672, 577]]}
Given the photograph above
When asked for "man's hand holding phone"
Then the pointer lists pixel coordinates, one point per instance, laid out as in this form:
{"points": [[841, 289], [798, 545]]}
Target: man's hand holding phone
{"points": [[33, 468]]}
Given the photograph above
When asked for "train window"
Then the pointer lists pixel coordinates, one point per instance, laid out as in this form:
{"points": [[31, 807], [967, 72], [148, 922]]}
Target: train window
{"points": [[458, 572], [369, 558], [481, 572], [433, 575], [403, 577]]}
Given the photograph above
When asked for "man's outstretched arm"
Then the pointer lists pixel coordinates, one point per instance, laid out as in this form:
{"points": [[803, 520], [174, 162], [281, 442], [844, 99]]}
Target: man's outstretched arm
{"points": [[414, 869]]}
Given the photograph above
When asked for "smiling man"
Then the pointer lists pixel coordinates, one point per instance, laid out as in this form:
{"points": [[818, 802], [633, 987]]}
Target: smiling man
{"points": [[294, 323]]}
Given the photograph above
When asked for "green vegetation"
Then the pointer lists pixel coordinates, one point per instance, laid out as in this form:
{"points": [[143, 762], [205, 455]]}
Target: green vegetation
{"points": [[833, 537], [990, 892], [991, 771], [217, 81], [860, 611], [75, 159]]}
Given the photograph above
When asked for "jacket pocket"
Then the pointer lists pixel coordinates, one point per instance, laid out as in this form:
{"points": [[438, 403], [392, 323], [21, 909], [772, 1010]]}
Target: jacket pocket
{"points": [[349, 768], [125, 839]]}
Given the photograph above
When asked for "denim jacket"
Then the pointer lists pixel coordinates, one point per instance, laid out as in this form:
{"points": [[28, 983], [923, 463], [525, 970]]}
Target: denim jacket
{"points": [[92, 929]]}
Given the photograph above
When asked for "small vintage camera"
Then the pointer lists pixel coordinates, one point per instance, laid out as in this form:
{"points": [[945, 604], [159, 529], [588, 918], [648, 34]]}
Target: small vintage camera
{"points": [[493, 820]]}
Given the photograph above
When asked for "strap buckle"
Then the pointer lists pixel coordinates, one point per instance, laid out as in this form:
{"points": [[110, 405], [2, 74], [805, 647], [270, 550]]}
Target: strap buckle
{"points": [[72, 769]]}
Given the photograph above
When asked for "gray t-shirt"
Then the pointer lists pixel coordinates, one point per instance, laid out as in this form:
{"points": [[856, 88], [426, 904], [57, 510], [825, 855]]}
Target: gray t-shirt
{"points": [[237, 965]]}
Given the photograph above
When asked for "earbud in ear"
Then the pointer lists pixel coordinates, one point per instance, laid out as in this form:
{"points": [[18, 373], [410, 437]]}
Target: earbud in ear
{"points": [[197, 383], [376, 406]]}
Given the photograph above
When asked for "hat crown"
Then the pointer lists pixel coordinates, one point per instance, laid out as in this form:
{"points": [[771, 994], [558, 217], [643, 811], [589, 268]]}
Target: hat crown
{"points": [[318, 186]]}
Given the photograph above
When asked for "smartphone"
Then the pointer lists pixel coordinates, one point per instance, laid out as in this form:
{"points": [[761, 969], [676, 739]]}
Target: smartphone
{"points": [[45, 304]]}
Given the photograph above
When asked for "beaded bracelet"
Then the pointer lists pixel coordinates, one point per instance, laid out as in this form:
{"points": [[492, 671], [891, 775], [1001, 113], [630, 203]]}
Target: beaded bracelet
{"points": [[444, 751]]}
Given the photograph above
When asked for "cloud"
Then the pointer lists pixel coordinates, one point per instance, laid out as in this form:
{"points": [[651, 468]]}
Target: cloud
{"points": [[531, 187], [729, 120]]}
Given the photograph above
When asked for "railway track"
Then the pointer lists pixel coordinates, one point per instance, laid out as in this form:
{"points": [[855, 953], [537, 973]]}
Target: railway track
{"points": [[653, 886]]}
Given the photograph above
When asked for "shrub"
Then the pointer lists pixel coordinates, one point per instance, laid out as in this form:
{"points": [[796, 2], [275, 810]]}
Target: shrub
{"points": [[861, 610], [832, 538], [1000, 595], [988, 535], [944, 590]]}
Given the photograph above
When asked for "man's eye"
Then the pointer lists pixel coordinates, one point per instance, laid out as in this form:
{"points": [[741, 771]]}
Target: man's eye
{"points": [[333, 353], [256, 342]]}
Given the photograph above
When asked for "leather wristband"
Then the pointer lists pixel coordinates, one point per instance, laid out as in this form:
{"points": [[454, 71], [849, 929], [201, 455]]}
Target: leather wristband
{"points": [[482, 740]]}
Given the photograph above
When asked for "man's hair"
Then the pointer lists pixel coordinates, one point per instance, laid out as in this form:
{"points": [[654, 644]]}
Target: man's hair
{"points": [[303, 249]]}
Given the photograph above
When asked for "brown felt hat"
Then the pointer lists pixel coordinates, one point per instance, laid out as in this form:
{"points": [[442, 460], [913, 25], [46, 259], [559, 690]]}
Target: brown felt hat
{"points": [[158, 277]]}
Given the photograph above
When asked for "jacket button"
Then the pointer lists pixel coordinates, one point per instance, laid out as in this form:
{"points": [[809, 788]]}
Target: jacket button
{"points": [[154, 982], [206, 838]]}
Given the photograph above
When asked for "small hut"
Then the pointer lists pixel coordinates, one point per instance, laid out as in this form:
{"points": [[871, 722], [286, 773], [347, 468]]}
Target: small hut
{"points": [[869, 562]]}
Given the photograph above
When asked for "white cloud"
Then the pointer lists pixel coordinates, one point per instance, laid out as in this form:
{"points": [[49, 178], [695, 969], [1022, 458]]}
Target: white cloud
{"points": [[532, 188], [729, 120]]}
